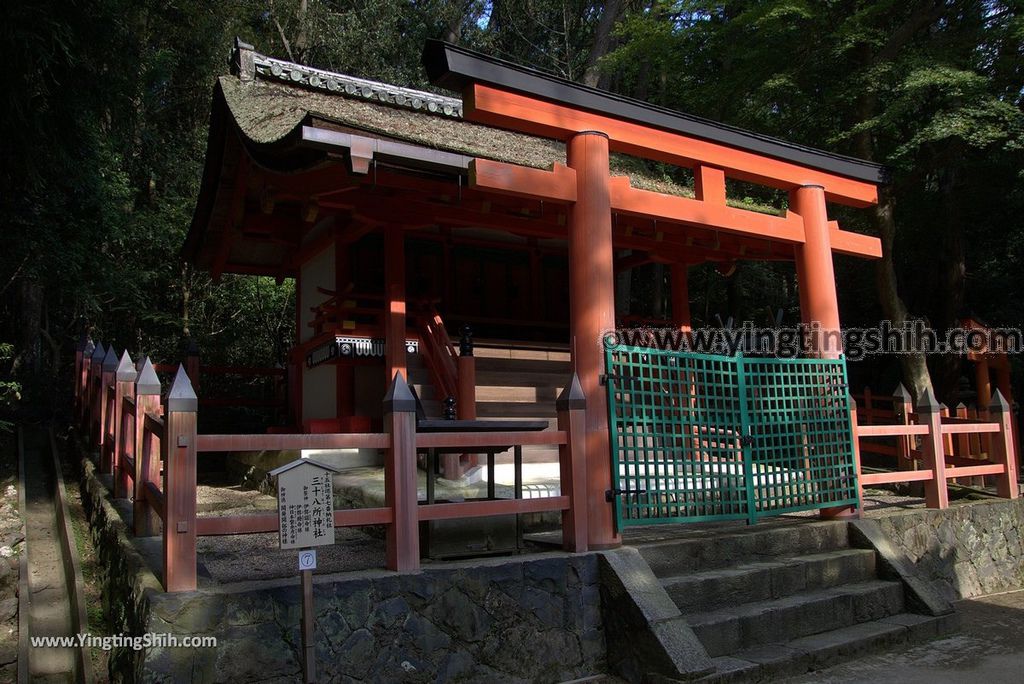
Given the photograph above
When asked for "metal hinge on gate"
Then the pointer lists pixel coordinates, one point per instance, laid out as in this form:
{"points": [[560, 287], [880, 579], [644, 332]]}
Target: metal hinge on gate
{"points": [[610, 494]]}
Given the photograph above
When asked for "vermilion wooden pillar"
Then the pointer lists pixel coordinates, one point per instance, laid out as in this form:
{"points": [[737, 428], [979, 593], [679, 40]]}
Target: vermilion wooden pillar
{"points": [[817, 280], [681, 297], [983, 391], [394, 285], [591, 314], [344, 372], [982, 383]]}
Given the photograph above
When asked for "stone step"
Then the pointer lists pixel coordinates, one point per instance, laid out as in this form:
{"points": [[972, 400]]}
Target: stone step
{"points": [[763, 580], [728, 630], [769, 662], [700, 552]]}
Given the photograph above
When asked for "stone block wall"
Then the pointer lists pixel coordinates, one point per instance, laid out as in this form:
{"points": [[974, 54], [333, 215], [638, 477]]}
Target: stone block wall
{"points": [[964, 551], [531, 621]]}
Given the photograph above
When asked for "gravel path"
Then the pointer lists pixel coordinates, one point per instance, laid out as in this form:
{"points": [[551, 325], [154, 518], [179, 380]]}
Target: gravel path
{"points": [[50, 609]]}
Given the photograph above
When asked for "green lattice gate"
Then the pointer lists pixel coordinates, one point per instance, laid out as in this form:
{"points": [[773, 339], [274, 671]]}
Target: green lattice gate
{"points": [[698, 437]]}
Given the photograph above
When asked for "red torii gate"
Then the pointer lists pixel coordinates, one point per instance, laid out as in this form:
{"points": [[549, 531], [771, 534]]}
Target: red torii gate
{"points": [[594, 123]]}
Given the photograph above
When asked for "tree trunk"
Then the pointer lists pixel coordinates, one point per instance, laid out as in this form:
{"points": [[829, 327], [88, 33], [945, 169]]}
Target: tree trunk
{"points": [[611, 12], [30, 318], [913, 366]]}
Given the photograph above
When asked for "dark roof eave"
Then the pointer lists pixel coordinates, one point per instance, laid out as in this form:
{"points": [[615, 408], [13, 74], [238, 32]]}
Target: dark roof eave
{"points": [[213, 161], [454, 67]]}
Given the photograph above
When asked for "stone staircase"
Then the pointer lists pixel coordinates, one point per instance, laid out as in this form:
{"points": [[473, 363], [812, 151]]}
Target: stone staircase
{"points": [[785, 599], [511, 384]]}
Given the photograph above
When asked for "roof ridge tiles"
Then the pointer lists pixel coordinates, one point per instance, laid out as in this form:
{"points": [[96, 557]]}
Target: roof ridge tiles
{"points": [[282, 71]]}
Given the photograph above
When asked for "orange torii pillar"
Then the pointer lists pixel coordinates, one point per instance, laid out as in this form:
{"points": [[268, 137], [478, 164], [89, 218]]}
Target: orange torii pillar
{"points": [[819, 306], [394, 321], [591, 315], [681, 297], [815, 275]]}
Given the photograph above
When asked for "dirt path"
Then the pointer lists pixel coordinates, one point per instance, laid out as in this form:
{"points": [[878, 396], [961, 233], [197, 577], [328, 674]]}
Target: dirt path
{"points": [[50, 606]]}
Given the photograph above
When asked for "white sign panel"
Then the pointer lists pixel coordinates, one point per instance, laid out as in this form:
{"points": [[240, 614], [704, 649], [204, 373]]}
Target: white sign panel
{"points": [[305, 504]]}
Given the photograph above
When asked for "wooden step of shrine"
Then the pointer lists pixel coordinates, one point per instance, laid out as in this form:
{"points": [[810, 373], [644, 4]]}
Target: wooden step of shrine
{"points": [[511, 384]]}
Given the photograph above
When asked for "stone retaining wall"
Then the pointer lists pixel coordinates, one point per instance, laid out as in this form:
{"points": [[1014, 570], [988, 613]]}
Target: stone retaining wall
{"points": [[537, 621], [128, 585], [964, 551], [533, 619]]}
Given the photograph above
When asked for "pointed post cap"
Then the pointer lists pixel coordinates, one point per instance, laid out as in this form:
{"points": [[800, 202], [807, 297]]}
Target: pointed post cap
{"points": [[192, 349], [927, 402], [83, 342], [181, 397], [961, 405], [901, 394], [147, 382], [998, 403], [110, 360], [98, 353], [572, 396], [398, 398], [89, 349], [126, 368]]}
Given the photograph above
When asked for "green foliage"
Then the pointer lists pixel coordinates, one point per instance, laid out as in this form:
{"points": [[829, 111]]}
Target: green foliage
{"points": [[105, 108], [10, 391]]}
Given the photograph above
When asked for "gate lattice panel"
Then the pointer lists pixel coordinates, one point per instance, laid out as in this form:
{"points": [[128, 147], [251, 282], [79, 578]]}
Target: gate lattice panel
{"points": [[701, 437]]}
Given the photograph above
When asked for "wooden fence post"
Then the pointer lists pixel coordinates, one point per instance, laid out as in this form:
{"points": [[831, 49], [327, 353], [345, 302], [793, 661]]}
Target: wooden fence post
{"points": [[178, 447], [83, 342], [571, 405], [400, 477], [1003, 450], [82, 403], [107, 380], [936, 493], [92, 411], [145, 520], [856, 453], [124, 378], [467, 389], [962, 447], [903, 407]]}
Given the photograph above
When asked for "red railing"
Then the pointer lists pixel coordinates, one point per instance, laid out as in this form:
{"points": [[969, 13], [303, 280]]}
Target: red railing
{"points": [[153, 446], [932, 447]]}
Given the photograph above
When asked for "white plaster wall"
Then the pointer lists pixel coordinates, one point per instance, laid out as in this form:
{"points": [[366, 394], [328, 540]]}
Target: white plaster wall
{"points": [[317, 272]]}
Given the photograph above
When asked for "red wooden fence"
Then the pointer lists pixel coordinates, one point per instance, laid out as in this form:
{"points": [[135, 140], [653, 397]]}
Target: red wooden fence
{"points": [[151, 447], [933, 447]]}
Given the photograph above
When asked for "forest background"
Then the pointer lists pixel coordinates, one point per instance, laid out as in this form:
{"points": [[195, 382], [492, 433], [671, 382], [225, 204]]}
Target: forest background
{"points": [[103, 117]]}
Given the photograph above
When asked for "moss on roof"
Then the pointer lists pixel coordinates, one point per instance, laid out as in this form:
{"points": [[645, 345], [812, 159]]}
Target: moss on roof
{"points": [[268, 111]]}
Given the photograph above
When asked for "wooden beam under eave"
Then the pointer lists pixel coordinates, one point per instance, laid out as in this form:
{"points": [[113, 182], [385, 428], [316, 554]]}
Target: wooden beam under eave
{"points": [[557, 185], [662, 207], [496, 107]]}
